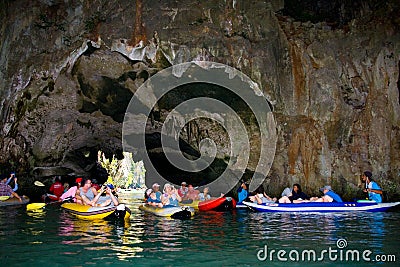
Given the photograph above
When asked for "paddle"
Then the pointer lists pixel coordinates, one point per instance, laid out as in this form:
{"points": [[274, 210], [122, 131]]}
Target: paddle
{"points": [[38, 183], [3, 198]]}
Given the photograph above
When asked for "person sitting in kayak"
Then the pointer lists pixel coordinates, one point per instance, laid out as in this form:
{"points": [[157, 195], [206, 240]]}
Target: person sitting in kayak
{"points": [[204, 196], [152, 199], [91, 197], [183, 190], [57, 187], [261, 197], [298, 196], [170, 196], [6, 190], [156, 189], [192, 194], [329, 195], [14, 179], [66, 187], [111, 193], [371, 187], [71, 192], [96, 185], [242, 191]]}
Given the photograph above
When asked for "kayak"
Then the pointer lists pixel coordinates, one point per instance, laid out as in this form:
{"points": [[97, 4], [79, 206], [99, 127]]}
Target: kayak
{"points": [[173, 212], [92, 213], [190, 203], [370, 206], [219, 204], [240, 205], [14, 201]]}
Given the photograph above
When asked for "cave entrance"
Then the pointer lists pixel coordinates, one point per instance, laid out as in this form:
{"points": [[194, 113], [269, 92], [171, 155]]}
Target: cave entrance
{"points": [[204, 123], [194, 135]]}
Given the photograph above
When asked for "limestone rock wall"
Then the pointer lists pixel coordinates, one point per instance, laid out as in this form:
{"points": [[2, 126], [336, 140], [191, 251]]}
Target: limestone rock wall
{"points": [[68, 71]]}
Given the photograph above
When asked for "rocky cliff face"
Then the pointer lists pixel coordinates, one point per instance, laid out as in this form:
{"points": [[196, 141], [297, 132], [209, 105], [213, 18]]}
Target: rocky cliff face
{"points": [[329, 70]]}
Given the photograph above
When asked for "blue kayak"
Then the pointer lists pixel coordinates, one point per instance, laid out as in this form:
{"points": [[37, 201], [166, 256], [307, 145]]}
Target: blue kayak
{"points": [[240, 205], [370, 206]]}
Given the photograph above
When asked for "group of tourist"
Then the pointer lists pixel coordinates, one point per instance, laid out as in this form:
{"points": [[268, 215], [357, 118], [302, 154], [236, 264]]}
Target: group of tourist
{"points": [[188, 193], [84, 192], [172, 196], [296, 195]]}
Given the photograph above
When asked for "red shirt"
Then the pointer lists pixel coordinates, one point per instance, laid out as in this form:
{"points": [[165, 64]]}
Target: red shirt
{"points": [[57, 189]]}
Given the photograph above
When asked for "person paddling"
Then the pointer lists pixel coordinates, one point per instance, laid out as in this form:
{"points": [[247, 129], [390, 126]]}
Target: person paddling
{"points": [[6, 190], [12, 177], [371, 187]]}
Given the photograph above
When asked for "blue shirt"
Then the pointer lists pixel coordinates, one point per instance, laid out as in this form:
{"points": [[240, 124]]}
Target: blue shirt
{"points": [[374, 196], [242, 194], [152, 200], [336, 197], [172, 200], [204, 198]]}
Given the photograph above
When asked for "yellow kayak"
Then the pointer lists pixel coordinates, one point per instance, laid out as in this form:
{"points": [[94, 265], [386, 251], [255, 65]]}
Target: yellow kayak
{"points": [[193, 204], [92, 213], [173, 212]]}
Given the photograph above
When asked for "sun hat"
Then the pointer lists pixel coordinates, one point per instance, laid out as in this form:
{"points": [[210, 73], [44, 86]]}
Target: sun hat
{"points": [[326, 187], [166, 186]]}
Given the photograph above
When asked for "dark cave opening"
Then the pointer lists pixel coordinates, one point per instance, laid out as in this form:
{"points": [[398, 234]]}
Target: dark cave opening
{"points": [[191, 134]]}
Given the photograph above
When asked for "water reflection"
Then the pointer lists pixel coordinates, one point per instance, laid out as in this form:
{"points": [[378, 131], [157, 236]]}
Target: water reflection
{"points": [[219, 238], [88, 232], [213, 235], [99, 235], [318, 228], [8, 220]]}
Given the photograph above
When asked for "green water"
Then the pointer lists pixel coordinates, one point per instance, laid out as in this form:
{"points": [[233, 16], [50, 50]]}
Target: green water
{"points": [[55, 238]]}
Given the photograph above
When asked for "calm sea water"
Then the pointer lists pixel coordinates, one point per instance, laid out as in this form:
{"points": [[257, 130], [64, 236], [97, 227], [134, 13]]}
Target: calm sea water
{"points": [[238, 238]]}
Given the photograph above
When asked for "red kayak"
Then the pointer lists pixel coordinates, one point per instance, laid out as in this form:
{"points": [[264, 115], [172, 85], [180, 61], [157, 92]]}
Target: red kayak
{"points": [[220, 204]]}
